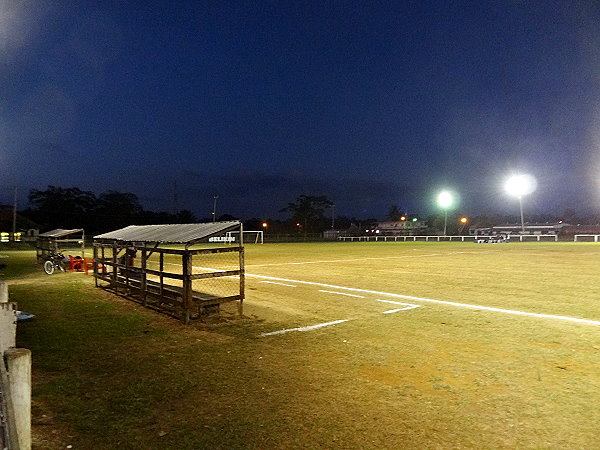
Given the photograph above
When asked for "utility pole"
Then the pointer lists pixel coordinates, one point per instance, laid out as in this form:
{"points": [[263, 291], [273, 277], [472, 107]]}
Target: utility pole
{"points": [[14, 228], [215, 208], [333, 216]]}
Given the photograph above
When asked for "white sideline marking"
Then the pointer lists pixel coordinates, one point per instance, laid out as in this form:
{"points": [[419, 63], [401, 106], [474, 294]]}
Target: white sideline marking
{"points": [[407, 306], [441, 302], [351, 260], [280, 284], [398, 303], [390, 311], [308, 328], [342, 293]]}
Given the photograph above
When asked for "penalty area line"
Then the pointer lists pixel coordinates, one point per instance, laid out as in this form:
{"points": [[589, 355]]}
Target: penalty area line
{"points": [[342, 293], [274, 282], [439, 302], [307, 328]]}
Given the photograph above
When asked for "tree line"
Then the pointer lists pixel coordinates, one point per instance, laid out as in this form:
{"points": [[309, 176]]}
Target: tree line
{"points": [[58, 207]]}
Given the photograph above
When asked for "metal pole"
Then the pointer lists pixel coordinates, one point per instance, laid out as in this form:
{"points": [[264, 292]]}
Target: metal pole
{"points": [[332, 216], [522, 221], [445, 221], [14, 227], [215, 209]]}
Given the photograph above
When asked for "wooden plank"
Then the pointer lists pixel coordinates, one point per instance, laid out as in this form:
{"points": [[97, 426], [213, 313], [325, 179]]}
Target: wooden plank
{"points": [[227, 273], [162, 274], [214, 250]]}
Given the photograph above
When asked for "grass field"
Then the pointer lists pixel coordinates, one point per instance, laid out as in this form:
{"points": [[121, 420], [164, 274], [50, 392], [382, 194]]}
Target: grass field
{"points": [[428, 345]]}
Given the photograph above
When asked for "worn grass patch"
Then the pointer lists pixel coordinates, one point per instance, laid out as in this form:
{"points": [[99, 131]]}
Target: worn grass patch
{"points": [[110, 374]]}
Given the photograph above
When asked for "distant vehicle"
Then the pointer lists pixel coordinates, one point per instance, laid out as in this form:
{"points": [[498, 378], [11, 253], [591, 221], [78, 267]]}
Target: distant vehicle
{"points": [[497, 239], [56, 261]]}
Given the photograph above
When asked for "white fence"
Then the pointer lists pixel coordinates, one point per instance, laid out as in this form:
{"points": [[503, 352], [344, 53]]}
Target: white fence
{"points": [[595, 237], [520, 237], [15, 381]]}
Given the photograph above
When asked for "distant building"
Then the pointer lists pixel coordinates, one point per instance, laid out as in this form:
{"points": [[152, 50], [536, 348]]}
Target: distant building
{"points": [[530, 228], [401, 227], [25, 227]]}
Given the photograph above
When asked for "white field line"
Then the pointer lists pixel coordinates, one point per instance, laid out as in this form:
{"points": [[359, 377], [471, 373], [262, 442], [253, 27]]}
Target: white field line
{"points": [[422, 299], [353, 259], [390, 311], [439, 302], [342, 293], [280, 284], [308, 328], [398, 303]]}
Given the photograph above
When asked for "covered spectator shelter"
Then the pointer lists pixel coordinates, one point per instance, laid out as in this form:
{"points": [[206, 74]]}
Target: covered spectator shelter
{"points": [[54, 242], [184, 270]]}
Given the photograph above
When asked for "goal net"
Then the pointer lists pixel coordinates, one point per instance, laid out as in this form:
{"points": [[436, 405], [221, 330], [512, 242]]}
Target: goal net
{"points": [[250, 237]]}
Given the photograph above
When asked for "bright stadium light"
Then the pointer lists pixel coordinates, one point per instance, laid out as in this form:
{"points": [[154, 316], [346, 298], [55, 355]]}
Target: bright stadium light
{"points": [[445, 200], [518, 186]]}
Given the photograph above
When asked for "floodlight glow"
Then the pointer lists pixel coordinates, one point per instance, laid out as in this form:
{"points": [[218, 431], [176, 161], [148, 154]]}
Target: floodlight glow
{"points": [[403, 218], [265, 224], [464, 220], [445, 199], [520, 185]]}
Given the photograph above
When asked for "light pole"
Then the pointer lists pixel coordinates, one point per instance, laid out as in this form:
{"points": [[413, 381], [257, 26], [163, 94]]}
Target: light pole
{"points": [[333, 216], [445, 200], [215, 208], [518, 186]]}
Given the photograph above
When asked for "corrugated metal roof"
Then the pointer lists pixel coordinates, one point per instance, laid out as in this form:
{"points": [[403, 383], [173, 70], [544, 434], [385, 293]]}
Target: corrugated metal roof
{"points": [[173, 234], [59, 232]]}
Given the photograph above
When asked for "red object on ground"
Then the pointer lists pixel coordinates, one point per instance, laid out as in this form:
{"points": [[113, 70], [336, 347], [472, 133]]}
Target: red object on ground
{"points": [[76, 263]]}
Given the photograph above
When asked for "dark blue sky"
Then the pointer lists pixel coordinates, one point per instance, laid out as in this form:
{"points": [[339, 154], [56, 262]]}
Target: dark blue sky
{"points": [[370, 103]]}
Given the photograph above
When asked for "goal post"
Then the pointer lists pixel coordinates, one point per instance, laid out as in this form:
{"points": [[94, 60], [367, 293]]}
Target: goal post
{"points": [[250, 237]]}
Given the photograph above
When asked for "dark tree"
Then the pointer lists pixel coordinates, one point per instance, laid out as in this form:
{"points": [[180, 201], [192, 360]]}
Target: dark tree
{"points": [[186, 216], [309, 211], [117, 210], [58, 207], [393, 214]]}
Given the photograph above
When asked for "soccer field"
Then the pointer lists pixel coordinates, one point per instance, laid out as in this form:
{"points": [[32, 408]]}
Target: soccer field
{"points": [[459, 344]]}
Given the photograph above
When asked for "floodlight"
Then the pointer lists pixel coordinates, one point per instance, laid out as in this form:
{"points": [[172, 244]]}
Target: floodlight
{"points": [[464, 220], [519, 185], [445, 199], [265, 224], [403, 218], [415, 219]]}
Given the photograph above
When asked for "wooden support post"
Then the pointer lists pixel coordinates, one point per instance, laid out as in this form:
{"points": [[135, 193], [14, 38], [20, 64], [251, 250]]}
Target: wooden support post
{"points": [[161, 269], [143, 281], [187, 286], [126, 258], [115, 271], [242, 273], [95, 264]]}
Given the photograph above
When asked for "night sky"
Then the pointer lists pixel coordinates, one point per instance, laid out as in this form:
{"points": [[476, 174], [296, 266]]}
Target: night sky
{"points": [[369, 103]]}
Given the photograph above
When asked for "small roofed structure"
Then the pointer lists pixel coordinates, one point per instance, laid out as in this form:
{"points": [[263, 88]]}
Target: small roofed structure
{"points": [[183, 270], [56, 240]]}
